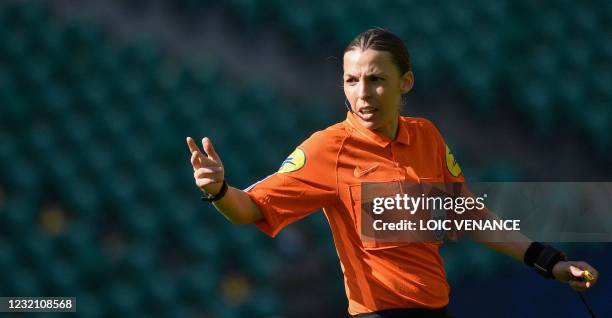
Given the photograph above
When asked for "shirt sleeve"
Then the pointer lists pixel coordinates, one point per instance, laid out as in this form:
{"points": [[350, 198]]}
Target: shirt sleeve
{"points": [[305, 182], [450, 166], [453, 178]]}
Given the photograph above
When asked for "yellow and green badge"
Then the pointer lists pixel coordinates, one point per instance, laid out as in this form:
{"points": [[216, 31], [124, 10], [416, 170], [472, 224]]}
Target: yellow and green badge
{"points": [[295, 161], [451, 163]]}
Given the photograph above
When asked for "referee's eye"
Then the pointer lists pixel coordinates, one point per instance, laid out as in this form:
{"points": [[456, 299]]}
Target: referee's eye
{"points": [[350, 80], [376, 79]]}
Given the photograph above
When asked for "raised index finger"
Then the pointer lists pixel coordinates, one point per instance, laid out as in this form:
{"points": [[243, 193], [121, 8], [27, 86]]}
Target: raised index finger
{"points": [[192, 145]]}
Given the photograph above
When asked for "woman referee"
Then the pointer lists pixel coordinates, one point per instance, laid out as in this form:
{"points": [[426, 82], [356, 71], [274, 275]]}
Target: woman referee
{"points": [[374, 143]]}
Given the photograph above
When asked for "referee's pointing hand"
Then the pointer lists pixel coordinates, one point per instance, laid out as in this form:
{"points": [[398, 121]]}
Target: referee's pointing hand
{"points": [[208, 170]]}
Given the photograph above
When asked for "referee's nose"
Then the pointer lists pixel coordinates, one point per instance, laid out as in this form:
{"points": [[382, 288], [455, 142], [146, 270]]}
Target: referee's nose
{"points": [[363, 90]]}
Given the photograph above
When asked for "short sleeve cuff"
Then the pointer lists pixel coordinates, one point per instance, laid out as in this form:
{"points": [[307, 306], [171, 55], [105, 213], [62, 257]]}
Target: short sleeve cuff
{"points": [[269, 223]]}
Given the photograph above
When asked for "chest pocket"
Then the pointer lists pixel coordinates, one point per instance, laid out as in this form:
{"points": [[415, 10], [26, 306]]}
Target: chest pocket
{"points": [[371, 240], [364, 196]]}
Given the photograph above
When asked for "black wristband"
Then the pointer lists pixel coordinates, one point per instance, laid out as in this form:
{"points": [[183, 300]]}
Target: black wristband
{"points": [[543, 258], [218, 196], [531, 255]]}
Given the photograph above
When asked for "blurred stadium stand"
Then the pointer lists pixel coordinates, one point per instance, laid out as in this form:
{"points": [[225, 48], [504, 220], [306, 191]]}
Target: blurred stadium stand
{"points": [[490, 50], [96, 192]]}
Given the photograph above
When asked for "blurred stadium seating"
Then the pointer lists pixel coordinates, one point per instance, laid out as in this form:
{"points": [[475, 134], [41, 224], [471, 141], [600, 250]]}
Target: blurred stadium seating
{"points": [[502, 52], [96, 129], [96, 198]]}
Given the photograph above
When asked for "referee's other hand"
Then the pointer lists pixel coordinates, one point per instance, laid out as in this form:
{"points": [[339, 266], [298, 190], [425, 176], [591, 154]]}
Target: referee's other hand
{"points": [[573, 273], [208, 170]]}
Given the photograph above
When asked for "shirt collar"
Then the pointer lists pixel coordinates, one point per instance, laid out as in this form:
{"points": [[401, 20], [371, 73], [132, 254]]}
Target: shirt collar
{"points": [[403, 136]]}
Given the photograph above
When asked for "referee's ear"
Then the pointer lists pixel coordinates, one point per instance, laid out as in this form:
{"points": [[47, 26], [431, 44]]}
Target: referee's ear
{"points": [[407, 82]]}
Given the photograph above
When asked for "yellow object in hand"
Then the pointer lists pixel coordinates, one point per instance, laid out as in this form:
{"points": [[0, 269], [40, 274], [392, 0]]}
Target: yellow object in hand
{"points": [[587, 275]]}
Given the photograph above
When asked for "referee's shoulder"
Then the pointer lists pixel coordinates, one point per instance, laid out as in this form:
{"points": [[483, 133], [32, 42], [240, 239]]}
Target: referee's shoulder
{"points": [[329, 139]]}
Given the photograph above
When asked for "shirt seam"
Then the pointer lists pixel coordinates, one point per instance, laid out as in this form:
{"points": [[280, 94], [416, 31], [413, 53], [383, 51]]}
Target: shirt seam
{"points": [[346, 136]]}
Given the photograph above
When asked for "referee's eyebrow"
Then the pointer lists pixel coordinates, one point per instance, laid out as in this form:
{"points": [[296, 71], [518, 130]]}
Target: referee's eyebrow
{"points": [[375, 73]]}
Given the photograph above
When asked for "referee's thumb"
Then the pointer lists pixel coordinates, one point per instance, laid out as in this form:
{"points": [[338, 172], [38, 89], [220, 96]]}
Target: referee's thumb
{"points": [[209, 149], [577, 272]]}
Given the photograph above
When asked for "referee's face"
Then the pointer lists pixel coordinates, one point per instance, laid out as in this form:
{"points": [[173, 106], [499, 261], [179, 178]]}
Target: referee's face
{"points": [[374, 86]]}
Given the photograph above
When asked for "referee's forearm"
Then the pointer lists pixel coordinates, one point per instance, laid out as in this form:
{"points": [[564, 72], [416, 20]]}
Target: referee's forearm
{"points": [[515, 250], [511, 243], [238, 207]]}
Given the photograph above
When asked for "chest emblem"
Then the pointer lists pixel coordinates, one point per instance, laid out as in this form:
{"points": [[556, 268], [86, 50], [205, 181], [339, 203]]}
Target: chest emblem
{"points": [[358, 172]]}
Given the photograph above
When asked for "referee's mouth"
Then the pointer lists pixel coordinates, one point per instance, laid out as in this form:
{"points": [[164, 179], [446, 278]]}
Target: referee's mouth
{"points": [[367, 113]]}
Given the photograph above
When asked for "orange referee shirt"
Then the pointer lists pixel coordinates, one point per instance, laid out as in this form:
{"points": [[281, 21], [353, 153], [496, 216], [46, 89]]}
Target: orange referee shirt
{"points": [[326, 171]]}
